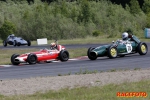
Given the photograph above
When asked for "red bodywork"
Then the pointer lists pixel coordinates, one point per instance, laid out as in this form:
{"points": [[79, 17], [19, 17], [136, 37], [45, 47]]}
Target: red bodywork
{"points": [[42, 55]]}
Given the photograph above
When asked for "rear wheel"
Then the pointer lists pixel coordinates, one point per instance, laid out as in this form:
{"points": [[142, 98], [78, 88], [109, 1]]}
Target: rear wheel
{"points": [[29, 42], [142, 48], [91, 55], [112, 52], [15, 43], [13, 59], [32, 59], [64, 55], [4, 43], [18, 44]]}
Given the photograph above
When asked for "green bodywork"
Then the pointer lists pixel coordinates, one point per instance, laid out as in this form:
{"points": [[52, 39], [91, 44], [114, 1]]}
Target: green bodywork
{"points": [[121, 47]]}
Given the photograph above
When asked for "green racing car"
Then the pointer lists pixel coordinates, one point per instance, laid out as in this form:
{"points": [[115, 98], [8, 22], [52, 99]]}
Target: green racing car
{"points": [[119, 48]]}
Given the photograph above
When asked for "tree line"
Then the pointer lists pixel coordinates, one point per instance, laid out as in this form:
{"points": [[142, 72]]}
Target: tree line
{"points": [[122, 2], [69, 19]]}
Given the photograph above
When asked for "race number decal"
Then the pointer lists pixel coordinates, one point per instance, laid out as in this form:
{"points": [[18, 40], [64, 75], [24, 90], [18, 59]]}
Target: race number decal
{"points": [[129, 48]]}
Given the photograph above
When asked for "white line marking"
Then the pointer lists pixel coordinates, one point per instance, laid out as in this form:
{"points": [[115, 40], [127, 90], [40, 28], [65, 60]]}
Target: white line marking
{"points": [[6, 65], [73, 59]]}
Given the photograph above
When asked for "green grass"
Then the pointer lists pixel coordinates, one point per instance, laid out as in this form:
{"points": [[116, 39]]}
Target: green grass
{"points": [[87, 40], [107, 92]]}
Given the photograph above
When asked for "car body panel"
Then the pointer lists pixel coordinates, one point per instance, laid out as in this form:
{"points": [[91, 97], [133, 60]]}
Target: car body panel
{"points": [[11, 39], [41, 55]]}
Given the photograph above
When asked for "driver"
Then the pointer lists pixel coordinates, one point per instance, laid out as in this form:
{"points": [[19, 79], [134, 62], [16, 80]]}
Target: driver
{"points": [[125, 36], [10, 36], [53, 46]]}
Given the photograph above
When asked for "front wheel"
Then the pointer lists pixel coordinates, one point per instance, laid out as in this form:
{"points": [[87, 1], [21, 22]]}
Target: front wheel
{"points": [[29, 42], [64, 55], [15, 43], [112, 52], [91, 55], [4, 43], [13, 59], [32, 59], [142, 48]]}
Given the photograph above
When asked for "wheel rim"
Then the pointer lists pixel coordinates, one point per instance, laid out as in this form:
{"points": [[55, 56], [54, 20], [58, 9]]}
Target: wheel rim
{"points": [[32, 59], [113, 52], [65, 56], [143, 48]]}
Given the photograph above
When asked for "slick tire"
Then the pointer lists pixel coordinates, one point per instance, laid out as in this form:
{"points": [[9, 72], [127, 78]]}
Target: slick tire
{"points": [[4, 43], [112, 52], [13, 59], [18, 44], [15, 43], [64, 55], [32, 59], [142, 48], [29, 42], [91, 56]]}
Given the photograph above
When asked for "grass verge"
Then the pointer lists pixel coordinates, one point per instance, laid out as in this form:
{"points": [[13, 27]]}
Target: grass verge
{"points": [[87, 40], [107, 92]]}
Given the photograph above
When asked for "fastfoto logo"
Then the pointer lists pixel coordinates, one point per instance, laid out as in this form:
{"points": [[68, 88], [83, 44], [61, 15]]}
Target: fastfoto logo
{"points": [[131, 94]]}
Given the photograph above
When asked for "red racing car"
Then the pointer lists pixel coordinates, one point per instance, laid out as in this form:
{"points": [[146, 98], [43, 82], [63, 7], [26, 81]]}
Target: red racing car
{"points": [[56, 52]]}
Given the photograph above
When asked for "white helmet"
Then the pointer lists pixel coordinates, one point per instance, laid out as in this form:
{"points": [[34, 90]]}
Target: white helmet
{"points": [[125, 36], [53, 44]]}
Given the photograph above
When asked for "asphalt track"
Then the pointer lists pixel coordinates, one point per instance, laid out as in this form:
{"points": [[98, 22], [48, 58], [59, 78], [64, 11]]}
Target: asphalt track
{"points": [[74, 66]]}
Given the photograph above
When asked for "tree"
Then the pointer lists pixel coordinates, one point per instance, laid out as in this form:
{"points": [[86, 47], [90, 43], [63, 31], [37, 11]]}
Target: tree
{"points": [[134, 7], [148, 20], [85, 13], [146, 6], [126, 2], [7, 29]]}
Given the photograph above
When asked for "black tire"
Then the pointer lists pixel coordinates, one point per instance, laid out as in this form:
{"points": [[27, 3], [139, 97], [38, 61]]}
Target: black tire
{"points": [[64, 55], [112, 52], [91, 57], [13, 59], [4, 43], [15, 43], [29, 42], [142, 48], [32, 59], [18, 44]]}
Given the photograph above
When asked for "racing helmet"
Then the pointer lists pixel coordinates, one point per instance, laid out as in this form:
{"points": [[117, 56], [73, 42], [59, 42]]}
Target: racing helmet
{"points": [[125, 36], [53, 45]]}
